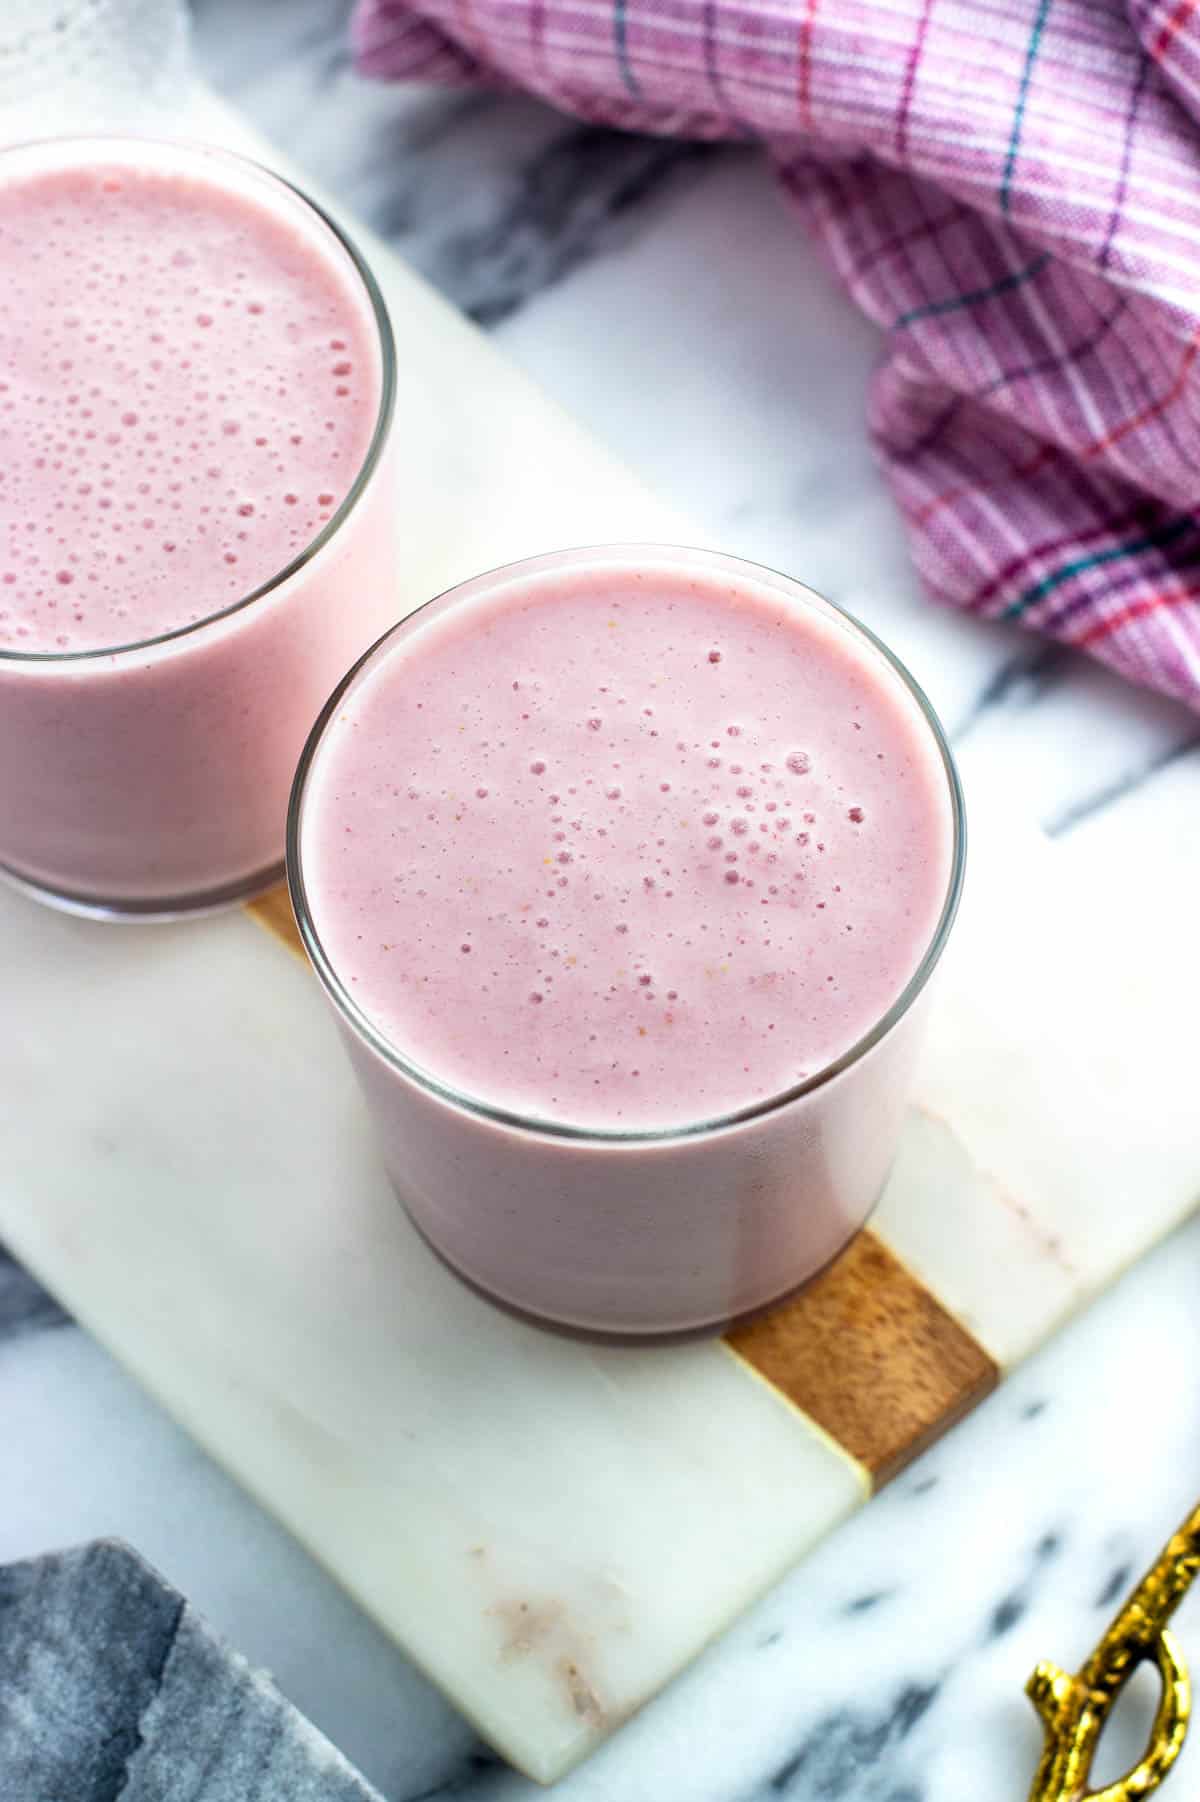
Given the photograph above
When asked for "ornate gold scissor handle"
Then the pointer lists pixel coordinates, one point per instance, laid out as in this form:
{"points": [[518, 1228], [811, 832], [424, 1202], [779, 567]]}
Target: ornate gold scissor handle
{"points": [[1074, 1709]]}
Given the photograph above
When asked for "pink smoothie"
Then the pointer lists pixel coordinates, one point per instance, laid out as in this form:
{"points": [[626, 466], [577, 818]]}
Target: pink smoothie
{"points": [[627, 849], [191, 380]]}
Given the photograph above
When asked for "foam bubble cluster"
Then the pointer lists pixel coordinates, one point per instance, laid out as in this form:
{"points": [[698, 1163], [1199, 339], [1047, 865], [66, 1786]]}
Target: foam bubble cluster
{"points": [[658, 934], [188, 387]]}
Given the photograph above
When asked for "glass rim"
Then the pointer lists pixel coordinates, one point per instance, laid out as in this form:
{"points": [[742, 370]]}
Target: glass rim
{"points": [[497, 1114], [197, 148]]}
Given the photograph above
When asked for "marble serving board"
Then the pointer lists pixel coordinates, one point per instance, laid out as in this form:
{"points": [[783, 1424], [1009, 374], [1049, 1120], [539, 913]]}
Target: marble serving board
{"points": [[553, 1529]]}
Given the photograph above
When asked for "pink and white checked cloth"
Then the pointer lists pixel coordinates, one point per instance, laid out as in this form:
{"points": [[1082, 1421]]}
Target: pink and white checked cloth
{"points": [[1011, 190]]}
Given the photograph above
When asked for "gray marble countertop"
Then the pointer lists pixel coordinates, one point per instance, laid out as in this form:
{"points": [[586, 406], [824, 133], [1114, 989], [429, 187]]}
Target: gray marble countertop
{"points": [[664, 296]]}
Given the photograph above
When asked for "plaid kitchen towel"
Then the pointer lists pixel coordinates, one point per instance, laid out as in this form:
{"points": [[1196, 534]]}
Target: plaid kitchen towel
{"points": [[1011, 190]]}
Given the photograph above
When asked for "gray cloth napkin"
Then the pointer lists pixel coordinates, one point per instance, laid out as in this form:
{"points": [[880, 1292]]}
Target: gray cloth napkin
{"points": [[111, 1686]]}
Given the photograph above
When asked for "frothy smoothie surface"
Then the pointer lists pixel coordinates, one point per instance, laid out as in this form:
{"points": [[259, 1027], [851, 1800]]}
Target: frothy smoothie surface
{"points": [[626, 849], [189, 383]]}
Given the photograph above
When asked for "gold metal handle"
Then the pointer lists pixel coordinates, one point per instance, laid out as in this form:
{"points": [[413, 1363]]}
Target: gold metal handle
{"points": [[1074, 1709]]}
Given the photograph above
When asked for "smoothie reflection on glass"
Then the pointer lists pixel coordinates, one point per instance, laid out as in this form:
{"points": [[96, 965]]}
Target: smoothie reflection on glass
{"points": [[196, 380], [624, 870]]}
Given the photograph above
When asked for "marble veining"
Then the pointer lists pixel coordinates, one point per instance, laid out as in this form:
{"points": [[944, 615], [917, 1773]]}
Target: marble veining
{"points": [[889, 1667], [25, 1307], [494, 198], [1075, 812], [581, 197]]}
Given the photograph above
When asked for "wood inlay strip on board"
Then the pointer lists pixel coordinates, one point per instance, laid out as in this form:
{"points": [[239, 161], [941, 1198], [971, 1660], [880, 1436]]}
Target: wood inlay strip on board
{"points": [[865, 1350], [274, 911], [872, 1356]]}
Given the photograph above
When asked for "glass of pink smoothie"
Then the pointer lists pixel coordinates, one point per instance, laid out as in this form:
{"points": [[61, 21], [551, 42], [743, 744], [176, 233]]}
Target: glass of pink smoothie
{"points": [[625, 871], [196, 389]]}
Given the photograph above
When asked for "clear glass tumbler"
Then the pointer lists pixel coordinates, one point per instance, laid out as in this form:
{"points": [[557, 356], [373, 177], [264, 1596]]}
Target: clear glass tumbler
{"points": [[639, 1233], [150, 778]]}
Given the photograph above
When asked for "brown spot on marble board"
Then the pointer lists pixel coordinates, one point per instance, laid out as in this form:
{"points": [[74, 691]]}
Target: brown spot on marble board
{"points": [[527, 1625], [872, 1356], [543, 1630], [584, 1700]]}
